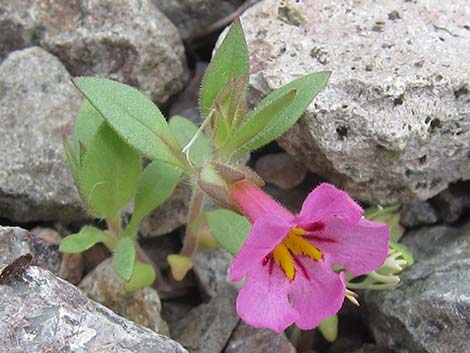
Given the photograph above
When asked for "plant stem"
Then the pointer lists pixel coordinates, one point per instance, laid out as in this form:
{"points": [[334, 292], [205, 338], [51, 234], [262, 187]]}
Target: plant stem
{"points": [[195, 209]]}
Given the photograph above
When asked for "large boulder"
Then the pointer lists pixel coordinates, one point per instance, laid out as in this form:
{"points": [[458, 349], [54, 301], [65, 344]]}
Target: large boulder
{"points": [[129, 41], [42, 313], [38, 105], [429, 312], [393, 123]]}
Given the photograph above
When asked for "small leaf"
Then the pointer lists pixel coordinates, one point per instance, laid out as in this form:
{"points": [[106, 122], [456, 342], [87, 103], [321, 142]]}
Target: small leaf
{"points": [[134, 117], [85, 239], [307, 88], [109, 173], [329, 328], [229, 229], [124, 258], [406, 254], [259, 123], [180, 265], [74, 162], [142, 276], [229, 61], [184, 130], [86, 124], [157, 183]]}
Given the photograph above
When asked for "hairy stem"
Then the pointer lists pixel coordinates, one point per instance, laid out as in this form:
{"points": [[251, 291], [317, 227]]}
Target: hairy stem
{"points": [[195, 210]]}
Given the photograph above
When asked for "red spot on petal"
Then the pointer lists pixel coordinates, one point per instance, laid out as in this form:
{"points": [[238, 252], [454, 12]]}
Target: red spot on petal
{"points": [[314, 227]]}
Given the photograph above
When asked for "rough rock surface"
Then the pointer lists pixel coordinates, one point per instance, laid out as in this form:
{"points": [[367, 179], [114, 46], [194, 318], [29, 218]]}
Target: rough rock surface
{"points": [[37, 106], [42, 313], [169, 216], [15, 242], [129, 41], [206, 328], [212, 269], [418, 213], [393, 123], [429, 312], [195, 16], [246, 339], [281, 170], [142, 306]]}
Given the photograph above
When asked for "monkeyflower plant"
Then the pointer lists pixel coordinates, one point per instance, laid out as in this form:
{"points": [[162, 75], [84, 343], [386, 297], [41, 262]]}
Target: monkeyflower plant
{"points": [[126, 158]]}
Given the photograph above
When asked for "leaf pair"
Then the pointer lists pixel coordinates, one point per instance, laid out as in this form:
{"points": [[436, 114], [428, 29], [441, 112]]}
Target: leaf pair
{"points": [[222, 100]]}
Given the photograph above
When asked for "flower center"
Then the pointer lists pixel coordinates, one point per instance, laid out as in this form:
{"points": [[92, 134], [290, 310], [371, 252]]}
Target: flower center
{"points": [[294, 244]]}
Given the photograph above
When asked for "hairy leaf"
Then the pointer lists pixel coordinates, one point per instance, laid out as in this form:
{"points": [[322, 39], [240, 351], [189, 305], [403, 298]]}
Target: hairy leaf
{"points": [[124, 258], [85, 239], [142, 276]]}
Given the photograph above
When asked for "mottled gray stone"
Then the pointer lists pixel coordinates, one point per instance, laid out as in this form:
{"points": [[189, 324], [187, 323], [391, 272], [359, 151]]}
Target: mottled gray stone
{"points": [[212, 269], [42, 313], [129, 41], [453, 202], [246, 339], [195, 16], [393, 123], [15, 242], [417, 214], [141, 306], [206, 328], [429, 312], [281, 170], [170, 215], [37, 107]]}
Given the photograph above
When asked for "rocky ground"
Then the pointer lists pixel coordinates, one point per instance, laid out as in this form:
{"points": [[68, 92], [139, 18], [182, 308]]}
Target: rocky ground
{"points": [[393, 125]]}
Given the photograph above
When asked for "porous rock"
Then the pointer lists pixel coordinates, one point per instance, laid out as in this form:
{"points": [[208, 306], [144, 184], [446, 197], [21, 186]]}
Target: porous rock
{"points": [[37, 107], [129, 41], [429, 311], [141, 306], [393, 123], [42, 313]]}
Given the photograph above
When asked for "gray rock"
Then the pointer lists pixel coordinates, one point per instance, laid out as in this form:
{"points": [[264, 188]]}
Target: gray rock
{"points": [[249, 339], [142, 306], [15, 242], [281, 170], [453, 202], [206, 328], [129, 41], [195, 16], [212, 269], [42, 313], [169, 216], [393, 124], [418, 213], [37, 107], [429, 312]]}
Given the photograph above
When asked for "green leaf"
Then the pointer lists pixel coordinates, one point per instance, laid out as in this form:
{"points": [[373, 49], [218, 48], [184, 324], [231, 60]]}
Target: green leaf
{"points": [[373, 212], [74, 162], [180, 265], [157, 182], [124, 258], [329, 328], [86, 124], [109, 173], [134, 117], [259, 123], [184, 130], [230, 60], [142, 276], [406, 254], [228, 228], [307, 88], [85, 239]]}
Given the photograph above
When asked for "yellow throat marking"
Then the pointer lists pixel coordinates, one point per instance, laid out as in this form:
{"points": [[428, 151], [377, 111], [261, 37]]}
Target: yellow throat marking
{"points": [[294, 244]]}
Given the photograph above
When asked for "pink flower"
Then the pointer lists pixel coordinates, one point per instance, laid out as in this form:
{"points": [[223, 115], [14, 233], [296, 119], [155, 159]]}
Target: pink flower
{"points": [[288, 259]]}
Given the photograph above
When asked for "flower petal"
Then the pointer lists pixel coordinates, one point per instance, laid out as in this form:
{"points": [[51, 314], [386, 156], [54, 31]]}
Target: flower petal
{"points": [[327, 201], [360, 248], [267, 232], [263, 301], [317, 297]]}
